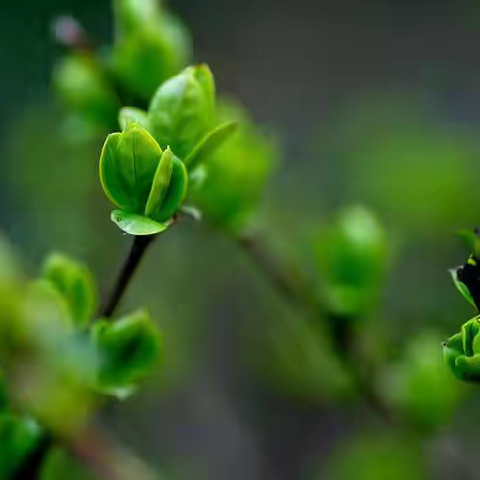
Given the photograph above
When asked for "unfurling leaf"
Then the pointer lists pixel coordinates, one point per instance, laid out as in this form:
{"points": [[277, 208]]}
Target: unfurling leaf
{"points": [[142, 181]]}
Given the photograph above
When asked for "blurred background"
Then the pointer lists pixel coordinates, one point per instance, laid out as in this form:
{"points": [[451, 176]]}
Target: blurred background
{"points": [[373, 102]]}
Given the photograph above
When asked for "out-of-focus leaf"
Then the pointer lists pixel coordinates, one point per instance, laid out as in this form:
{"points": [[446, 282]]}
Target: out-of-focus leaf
{"points": [[146, 58], [235, 175], [77, 285], [299, 361], [18, 437], [419, 385], [59, 464], [471, 240], [352, 257], [129, 348], [80, 83], [379, 457]]}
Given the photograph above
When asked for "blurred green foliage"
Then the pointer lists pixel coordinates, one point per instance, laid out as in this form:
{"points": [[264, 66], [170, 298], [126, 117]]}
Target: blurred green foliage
{"points": [[416, 174], [380, 457]]}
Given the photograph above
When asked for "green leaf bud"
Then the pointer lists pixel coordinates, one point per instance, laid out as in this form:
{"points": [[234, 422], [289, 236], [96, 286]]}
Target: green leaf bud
{"points": [[129, 348], [462, 351], [180, 111], [75, 283], [82, 86], [353, 257], [134, 173]]}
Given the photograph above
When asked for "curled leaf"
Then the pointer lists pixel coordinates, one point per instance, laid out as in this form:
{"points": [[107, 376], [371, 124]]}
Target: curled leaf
{"points": [[210, 144], [134, 224], [462, 288]]}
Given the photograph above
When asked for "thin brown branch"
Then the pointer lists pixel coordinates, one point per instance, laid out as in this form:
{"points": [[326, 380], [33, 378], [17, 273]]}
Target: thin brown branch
{"points": [[293, 286], [105, 458]]}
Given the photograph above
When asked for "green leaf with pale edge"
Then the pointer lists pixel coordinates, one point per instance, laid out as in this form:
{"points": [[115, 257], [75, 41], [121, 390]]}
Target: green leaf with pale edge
{"points": [[462, 288], [160, 184], [175, 194], [209, 145], [205, 78], [135, 224], [75, 283], [132, 115], [129, 349]]}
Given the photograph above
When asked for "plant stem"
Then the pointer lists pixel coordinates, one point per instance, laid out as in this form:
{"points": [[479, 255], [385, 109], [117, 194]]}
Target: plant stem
{"points": [[139, 247], [105, 458], [31, 467], [293, 286]]}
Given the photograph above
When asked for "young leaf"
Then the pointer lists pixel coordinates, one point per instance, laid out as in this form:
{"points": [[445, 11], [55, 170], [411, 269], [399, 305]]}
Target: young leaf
{"points": [[179, 114], [209, 145], [134, 224], [462, 288], [205, 78], [129, 348], [127, 166], [175, 194], [76, 284], [132, 115], [160, 184]]}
